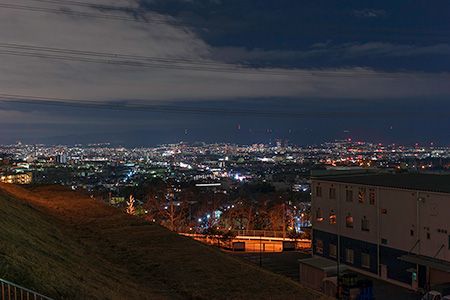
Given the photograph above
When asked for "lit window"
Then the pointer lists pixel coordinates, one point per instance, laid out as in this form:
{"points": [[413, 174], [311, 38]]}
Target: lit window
{"points": [[372, 197], [361, 195], [318, 191], [332, 193], [319, 216], [333, 250], [349, 195], [319, 246], [349, 221], [365, 226], [332, 217], [349, 256], [365, 260]]}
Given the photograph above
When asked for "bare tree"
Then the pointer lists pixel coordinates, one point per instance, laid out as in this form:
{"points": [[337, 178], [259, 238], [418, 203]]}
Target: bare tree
{"points": [[165, 210], [130, 206], [241, 215], [277, 217]]}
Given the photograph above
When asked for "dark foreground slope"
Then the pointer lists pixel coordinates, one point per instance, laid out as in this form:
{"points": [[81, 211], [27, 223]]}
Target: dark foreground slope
{"points": [[68, 246]]}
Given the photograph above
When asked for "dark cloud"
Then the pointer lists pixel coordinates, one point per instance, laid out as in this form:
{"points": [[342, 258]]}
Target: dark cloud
{"points": [[370, 13], [329, 56]]}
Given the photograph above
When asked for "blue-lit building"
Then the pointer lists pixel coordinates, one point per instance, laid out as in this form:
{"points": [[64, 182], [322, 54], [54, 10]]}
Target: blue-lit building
{"points": [[395, 227]]}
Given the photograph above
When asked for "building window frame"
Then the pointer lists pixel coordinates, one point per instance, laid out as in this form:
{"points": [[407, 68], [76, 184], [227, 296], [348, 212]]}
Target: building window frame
{"points": [[365, 224], [365, 260], [332, 217], [318, 191], [349, 195], [349, 256], [332, 193], [362, 195], [319, 215], [319, 246], [332, 251], [349, 221], [372, 196]]}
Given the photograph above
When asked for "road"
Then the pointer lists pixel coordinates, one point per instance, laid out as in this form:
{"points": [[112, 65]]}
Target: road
{"points": [[283, 263]]}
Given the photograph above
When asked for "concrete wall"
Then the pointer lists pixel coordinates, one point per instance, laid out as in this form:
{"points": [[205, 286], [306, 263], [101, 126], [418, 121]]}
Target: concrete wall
{"points": [[438, 277], [311, 277]]}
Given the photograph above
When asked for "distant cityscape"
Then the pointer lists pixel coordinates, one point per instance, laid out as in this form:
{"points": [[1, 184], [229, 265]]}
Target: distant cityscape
{"points": [[94, 166], [205, 182]]}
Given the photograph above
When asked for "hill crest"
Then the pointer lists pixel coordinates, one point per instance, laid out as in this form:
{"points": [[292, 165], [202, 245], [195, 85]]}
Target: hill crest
{"points": [[68, 246]]}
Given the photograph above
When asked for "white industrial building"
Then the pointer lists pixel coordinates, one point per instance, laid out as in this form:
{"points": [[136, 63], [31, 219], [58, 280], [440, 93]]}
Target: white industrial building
{"points": [[392, 226]]}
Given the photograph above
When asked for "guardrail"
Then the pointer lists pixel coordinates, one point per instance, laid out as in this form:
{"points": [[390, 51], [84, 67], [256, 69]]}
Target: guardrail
{"points": [[262, 233], [12, 291]]}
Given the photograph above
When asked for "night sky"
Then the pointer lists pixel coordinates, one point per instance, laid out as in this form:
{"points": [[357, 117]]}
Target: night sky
{"points": [[307, 71]]}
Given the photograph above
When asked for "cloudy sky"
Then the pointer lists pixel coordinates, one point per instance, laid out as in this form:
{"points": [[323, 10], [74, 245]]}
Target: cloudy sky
{"points": [[153, 71]]}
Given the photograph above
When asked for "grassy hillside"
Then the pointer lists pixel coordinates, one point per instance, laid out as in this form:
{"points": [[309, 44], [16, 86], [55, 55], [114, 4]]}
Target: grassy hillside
{"points": [[68, 246]]}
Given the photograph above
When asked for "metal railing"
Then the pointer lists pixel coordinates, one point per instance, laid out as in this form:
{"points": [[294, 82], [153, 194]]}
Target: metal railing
{"points": [[12, 291], [261, 233]]}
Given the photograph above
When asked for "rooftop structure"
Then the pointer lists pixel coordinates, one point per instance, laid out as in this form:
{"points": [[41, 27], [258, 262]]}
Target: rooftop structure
{"points": [[418, 182]]}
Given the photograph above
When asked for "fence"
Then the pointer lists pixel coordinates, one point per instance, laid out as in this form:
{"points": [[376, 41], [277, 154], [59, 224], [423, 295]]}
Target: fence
{"points": [[261, 233], [11, 291], [253, 241]]}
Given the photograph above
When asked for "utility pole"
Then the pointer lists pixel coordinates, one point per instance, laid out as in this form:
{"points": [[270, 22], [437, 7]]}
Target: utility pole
{"points": [[260, 250], [338, 250], [284, 220]]}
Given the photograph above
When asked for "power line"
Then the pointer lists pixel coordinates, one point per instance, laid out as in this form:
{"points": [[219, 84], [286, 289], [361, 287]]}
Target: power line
{"points": [[141, 64], [110, 55], [87, 15], [187, 64], [85, 4], [91, 104]]}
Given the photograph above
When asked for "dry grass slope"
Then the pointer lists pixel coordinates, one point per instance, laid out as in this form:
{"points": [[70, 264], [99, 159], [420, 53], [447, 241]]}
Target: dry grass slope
{"points": [[68, 246]]}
